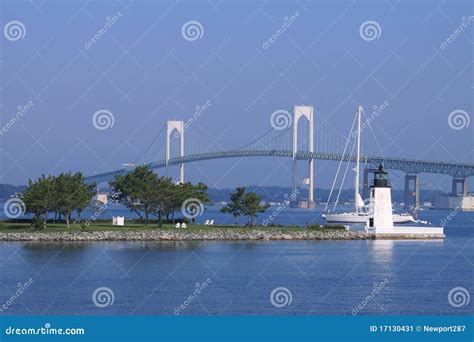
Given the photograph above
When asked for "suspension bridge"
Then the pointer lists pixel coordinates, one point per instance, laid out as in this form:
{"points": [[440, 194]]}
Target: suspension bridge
{"points": [[323, 142]]}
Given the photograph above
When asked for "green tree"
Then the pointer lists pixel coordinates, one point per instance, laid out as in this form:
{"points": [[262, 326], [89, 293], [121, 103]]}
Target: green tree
{"points": [[236, 204], [186, 191], [84, 195], [138, 190], [162, 197], [40, 199], [251, 206], [71, 193], [60, 194]]}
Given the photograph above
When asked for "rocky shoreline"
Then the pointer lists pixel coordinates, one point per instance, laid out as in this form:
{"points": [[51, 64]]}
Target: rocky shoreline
{"points": [[161, 235]]}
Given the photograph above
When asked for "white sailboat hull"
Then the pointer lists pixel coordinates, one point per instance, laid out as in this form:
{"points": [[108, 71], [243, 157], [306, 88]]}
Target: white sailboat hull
{"points": [[362, 218]]}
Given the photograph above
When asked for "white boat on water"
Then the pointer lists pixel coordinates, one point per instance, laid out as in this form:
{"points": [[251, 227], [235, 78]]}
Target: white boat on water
{"points": [[360, 215]]}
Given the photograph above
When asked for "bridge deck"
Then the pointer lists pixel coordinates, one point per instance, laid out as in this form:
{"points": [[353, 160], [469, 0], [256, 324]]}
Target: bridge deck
{"points": [[457, 170]]}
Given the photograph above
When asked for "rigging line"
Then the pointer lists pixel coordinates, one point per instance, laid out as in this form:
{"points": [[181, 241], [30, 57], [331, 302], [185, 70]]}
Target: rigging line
{"points": [[154, 140], [375, 137], [339, 166], [344, 178], [261, 137], [264, 135]]}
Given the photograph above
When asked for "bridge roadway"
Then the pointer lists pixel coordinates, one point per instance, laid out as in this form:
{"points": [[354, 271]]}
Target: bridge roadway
{"points": [[409, 166]]}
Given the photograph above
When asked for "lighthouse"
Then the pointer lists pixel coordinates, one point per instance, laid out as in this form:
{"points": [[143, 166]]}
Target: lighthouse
{"points": [[380, 218], [380, 207]]}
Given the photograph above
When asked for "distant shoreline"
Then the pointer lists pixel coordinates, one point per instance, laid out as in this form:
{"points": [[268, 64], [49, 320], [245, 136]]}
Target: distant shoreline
{"points": [[161, 235]]}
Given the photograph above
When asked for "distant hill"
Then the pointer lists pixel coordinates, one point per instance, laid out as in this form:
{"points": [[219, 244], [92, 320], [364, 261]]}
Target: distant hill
{"points": [[270, 193], [6, 190], [279, 194]]}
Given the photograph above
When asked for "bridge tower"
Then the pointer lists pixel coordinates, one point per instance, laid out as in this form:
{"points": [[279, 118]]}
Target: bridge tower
{"points": [[179, 127], [298, 113], [413, 194], [366, 184], [455, 182]]}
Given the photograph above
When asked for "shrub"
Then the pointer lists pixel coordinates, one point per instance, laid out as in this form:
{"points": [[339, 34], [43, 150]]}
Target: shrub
{"points": [[334, 226], [38, 223], [313, 226], [275, 225]]}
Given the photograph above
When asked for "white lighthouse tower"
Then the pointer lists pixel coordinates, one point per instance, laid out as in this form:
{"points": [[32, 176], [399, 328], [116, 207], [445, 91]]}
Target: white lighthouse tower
{"points": [[380, 218], [380, 207]]}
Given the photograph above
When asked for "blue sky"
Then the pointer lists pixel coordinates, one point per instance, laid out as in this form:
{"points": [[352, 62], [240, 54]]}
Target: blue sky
{"points": [[144, 71]]}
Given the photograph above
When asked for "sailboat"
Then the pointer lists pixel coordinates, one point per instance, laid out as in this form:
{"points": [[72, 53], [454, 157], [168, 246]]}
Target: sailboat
{"points": [[360, 215]]}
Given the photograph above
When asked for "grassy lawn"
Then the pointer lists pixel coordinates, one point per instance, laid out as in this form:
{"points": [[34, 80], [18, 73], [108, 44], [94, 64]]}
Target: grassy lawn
{"points": [[7, 227]]}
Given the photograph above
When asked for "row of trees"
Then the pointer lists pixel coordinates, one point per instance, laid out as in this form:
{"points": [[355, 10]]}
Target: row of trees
{"points": [[244, 204], [62, 194], [142, 191], [147, 194]]}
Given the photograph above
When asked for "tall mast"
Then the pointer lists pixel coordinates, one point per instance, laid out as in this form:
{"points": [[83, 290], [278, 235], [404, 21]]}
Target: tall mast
{"points": [[356, 185]]}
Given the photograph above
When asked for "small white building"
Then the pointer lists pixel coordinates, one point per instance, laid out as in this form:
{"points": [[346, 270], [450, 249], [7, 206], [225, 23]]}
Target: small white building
{"points": [[118, 220], [101, 198]]}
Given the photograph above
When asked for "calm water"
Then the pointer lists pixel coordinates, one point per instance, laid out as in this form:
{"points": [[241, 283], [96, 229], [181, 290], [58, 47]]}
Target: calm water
{"points": [[323, 277]]}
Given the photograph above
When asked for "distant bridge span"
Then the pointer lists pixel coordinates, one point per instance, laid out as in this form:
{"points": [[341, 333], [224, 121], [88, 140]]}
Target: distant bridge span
{"points": [[409, 166]]}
